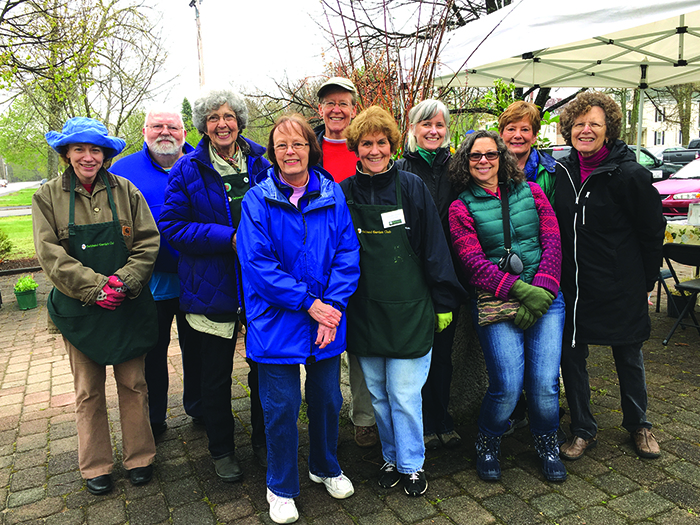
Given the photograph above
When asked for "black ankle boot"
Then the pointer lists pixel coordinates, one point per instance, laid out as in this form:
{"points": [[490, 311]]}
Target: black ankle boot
{"points": [[487, 450], [547, 449]]}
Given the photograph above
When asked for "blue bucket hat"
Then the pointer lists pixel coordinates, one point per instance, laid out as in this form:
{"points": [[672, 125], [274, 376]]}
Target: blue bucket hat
{"points": [[88, 131]]}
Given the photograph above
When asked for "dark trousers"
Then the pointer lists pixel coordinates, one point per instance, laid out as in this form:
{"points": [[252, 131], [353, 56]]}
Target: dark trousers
{"points": [[436, 391], [257, 417], [216, 360], [629, 363], [157, 376]]}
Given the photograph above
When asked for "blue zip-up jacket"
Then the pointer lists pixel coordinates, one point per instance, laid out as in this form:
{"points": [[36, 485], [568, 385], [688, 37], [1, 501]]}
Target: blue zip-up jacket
{"points": [[151, 179], [196, 221], [290, 257]]}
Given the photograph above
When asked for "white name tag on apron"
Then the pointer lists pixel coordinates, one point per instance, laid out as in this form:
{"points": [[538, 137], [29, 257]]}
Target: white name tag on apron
{"points": [[393, 218]]}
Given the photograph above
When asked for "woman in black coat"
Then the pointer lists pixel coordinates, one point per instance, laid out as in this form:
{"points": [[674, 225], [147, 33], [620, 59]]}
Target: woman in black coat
{"points": [[427, 155], [612, 231]]}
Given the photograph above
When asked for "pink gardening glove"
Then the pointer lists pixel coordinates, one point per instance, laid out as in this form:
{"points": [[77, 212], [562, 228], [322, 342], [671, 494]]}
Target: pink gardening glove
{"points": [[115, 283], [112, 294]]}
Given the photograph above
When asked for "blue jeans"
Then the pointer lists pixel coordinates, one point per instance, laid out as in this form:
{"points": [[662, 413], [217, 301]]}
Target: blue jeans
{"points": [[395, 386], [280, 395], [517, 359]]}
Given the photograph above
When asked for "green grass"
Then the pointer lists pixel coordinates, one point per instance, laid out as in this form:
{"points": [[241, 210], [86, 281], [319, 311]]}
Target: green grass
{"points": [[18, 198], [19, 231]]}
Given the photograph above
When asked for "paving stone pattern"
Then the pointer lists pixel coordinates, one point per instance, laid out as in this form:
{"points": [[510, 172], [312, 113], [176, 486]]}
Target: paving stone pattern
{"points": [[40, 482]]}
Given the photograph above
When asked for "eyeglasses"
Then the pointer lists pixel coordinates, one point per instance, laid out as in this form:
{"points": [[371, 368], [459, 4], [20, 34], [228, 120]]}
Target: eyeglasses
{"points": [[490, 155], [216, 118], [160, 127], [330, 105], [282, 147], [595, 126]]}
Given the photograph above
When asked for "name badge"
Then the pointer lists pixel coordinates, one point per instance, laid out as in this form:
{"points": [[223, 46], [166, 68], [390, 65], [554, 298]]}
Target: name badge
{"points": [[393, 218]]}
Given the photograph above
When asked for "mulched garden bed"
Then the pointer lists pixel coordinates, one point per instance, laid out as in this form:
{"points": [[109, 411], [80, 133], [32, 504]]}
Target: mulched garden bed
{"points": [[17, 265]]}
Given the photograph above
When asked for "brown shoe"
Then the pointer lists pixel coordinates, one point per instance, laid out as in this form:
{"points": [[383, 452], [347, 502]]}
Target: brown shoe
{"points": [[575, 447], [366, 437], [645, 443]]}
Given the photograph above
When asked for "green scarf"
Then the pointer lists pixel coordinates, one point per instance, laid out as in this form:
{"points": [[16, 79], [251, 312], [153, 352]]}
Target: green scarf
{"points": [[429, 156]]}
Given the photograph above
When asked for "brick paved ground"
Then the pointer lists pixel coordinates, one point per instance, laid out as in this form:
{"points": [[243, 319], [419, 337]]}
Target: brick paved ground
{"points": [[40, 482]]}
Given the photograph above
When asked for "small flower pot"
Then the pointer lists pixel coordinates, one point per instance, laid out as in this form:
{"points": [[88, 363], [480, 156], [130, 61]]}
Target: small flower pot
{"points": [[26, 300]]}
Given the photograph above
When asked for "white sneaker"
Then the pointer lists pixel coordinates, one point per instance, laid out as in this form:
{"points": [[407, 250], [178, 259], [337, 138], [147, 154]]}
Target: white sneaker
{"points": [[340, 487], [282, 510]]}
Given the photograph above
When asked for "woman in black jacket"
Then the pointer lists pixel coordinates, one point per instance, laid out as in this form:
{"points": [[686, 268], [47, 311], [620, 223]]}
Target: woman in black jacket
{"points": [[612, 230], [427, 155]]}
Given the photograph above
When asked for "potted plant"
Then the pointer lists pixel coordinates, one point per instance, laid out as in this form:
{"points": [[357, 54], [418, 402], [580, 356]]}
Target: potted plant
{"points": [[25, 292]]}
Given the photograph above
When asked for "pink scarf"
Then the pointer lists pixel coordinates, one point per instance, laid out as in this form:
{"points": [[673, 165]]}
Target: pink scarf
{"points": [[588, 164]]}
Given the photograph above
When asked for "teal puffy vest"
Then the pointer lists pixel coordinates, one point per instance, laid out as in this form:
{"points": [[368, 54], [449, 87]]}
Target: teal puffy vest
{"points": [[524, 225]]}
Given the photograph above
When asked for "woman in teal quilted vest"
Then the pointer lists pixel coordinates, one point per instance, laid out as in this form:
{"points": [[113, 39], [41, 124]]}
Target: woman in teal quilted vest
{"points": [[523, 350]]}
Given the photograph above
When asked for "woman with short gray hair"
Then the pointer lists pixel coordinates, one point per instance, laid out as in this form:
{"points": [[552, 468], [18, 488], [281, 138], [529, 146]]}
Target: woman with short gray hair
{"points": [[200, 219], [209, 103], [427, 155]]}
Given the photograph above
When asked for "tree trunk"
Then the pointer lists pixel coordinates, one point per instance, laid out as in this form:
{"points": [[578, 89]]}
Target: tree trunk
{"points": [[685, 101]]}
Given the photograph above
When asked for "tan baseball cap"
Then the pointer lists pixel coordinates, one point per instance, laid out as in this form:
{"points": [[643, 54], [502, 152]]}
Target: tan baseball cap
{"points": [[340, 82]]}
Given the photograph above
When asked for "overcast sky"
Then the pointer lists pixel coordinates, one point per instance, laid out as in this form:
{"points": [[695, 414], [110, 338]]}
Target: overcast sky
{"points": [[245, 42]]}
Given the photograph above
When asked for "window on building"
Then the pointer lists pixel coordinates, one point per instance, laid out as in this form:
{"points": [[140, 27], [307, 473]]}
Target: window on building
{"points": [[659, 138], [660, 115]]}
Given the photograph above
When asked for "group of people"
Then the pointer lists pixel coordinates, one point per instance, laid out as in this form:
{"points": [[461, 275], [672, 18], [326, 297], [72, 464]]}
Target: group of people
{"points": [[330, 245]]}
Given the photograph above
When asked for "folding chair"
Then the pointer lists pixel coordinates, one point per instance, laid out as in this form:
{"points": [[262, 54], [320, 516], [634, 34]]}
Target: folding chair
{"points": [[689, 255], [663, 275]]}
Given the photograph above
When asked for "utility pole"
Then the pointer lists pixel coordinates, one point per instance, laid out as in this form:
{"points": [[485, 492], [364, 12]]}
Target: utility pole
{"points": [[200, 53]]}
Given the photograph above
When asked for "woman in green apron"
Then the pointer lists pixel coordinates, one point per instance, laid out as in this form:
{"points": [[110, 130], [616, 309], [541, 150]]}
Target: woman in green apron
{"points": [[407, 291], [97, 242]]}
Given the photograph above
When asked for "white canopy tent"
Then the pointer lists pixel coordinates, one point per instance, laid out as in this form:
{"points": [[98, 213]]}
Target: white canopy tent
{"points": [[591, 43]]}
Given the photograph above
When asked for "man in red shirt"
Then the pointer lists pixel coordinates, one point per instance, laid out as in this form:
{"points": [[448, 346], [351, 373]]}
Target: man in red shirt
{"points": [[336, 105]]}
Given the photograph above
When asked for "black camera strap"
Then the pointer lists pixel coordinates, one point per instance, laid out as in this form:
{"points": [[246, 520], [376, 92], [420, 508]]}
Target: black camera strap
{"points": [[506, 216]]}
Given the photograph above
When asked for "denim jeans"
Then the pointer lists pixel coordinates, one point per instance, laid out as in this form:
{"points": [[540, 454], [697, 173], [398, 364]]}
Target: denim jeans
{"points": [[395, 386], [436, 391], [157, 376], [517, 359], [280, 395], [629, 363], [216, 360]]}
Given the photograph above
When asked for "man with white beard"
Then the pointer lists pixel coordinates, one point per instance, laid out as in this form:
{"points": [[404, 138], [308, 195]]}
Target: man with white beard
{"points": [[164, 135]]}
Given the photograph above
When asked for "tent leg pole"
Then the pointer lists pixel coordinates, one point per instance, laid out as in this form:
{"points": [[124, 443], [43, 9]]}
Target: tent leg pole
{"points": [[640, 118]]}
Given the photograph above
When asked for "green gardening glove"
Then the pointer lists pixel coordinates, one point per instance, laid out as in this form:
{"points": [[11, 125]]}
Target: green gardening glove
{"points": [[524, 318], [538, 300], [442, 321]]}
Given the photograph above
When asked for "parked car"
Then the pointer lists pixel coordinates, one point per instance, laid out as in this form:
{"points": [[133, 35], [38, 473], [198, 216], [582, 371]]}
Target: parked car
{"points": [[684, 156], [659, 169], [680, 189], [658, 151]]}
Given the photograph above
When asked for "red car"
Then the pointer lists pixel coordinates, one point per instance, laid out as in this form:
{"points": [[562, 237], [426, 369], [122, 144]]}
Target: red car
{"points": [[680, 189]]}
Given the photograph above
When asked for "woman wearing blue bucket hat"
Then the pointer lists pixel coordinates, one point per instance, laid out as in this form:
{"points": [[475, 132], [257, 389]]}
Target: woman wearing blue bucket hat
{"points": [[97, 242]]}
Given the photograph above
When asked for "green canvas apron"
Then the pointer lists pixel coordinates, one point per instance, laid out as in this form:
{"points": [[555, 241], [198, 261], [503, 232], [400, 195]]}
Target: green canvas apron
{"points": [[108, 337], [236, 186], [391, 313]]}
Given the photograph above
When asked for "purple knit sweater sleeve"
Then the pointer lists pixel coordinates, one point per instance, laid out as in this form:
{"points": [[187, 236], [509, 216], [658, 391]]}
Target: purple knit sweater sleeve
{"points": [[481, 272], [549, 272]]}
